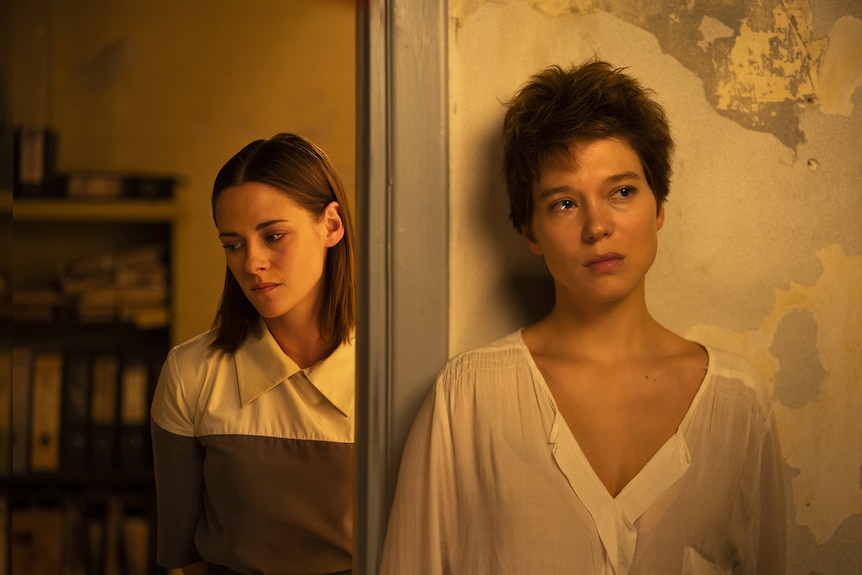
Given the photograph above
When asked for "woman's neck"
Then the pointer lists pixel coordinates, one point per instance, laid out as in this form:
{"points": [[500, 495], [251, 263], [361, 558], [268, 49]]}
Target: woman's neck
{"points": [[606, 332], [300, 341]]}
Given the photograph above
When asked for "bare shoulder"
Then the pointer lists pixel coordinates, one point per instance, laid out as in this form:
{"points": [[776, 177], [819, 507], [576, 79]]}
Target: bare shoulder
{"points": [[533, 337], [687, 351], [686, 359]]}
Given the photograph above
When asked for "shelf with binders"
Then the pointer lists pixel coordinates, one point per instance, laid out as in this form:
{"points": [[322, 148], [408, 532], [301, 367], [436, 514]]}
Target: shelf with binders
{"points": [[5, 261], [80, 410], [91, 302], [90, 316], [5, 201], [79, 495], [81, 532]]}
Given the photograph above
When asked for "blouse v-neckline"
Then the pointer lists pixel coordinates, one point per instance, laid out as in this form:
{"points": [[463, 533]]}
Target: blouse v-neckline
{"points": [[615, 517]]}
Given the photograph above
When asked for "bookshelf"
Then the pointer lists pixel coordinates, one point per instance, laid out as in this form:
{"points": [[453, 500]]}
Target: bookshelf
{"points": [[5, 366], [126, 210], [90, 316]]}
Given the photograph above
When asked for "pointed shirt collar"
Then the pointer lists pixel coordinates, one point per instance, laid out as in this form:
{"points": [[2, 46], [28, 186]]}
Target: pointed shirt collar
{"points": [[261, 365]]}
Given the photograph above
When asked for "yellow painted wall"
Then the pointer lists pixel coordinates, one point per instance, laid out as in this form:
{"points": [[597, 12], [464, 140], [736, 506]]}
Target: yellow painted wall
{"points": [[179, 87], [761, 251]]}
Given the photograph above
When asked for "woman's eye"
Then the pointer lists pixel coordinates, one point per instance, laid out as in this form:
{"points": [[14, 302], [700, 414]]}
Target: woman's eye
{"points": [[232, 247], [274, 237], [564, 205], [625, 192]]}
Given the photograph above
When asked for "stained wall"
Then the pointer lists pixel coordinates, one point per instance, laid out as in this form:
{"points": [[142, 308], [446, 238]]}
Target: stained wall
{"points": [[761, 251]]}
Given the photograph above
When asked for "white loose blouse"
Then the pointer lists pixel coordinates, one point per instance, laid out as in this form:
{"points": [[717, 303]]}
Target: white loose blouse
{"points": [[493, 481]]}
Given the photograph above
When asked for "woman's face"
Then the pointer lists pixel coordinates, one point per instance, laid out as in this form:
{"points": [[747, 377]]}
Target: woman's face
{"points": [[276, 249], [595, 221]]}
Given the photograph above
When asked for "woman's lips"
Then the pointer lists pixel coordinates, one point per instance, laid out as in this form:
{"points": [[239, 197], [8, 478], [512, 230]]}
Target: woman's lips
{"points": [[262, 288], [606, 262]]}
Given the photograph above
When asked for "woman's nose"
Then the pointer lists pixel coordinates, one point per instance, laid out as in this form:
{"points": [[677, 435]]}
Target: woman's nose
{"points": [[598, 222], [255, 258]]}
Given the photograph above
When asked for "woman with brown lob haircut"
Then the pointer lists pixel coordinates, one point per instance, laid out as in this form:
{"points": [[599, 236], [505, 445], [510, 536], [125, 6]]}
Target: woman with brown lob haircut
{"points": [[594, 441], [252, 421]]}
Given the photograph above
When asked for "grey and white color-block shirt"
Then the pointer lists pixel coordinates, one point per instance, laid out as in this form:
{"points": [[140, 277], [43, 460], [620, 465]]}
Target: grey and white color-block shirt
{"points": [[254, 458]]}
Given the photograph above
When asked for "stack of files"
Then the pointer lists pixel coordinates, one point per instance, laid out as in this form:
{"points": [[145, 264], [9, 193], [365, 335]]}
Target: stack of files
{"points": [[130, 287]]}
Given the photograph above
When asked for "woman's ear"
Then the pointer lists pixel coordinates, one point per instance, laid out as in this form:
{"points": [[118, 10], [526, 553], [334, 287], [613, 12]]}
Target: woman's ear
{"points": [[659, 221], [333, 223]]}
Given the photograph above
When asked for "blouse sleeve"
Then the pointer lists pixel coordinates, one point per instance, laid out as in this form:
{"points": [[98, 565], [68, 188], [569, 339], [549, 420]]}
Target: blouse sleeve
{"points": [[422, 537], [772, 540], [178, 467]]}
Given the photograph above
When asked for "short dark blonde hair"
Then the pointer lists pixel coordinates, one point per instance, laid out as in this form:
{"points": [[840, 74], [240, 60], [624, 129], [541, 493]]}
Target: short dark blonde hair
{"points": [[560, 107], [303, 171]]}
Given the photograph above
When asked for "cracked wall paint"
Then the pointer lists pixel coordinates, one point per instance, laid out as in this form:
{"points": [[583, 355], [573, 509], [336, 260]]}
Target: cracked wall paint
{"points": [[798, 379], [759, 75], [769, 64], [841, 71], [826, 487], [711, 30]]}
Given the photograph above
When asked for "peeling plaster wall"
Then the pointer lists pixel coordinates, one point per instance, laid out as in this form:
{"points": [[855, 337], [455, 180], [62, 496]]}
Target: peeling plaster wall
{"points": [[761, 251]]}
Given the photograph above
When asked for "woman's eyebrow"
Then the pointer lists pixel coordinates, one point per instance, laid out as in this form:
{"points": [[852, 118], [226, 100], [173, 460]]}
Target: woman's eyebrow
{"points": [[268, 223], [552, 191], [622, 176], [612, 179], [258, 227]]}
